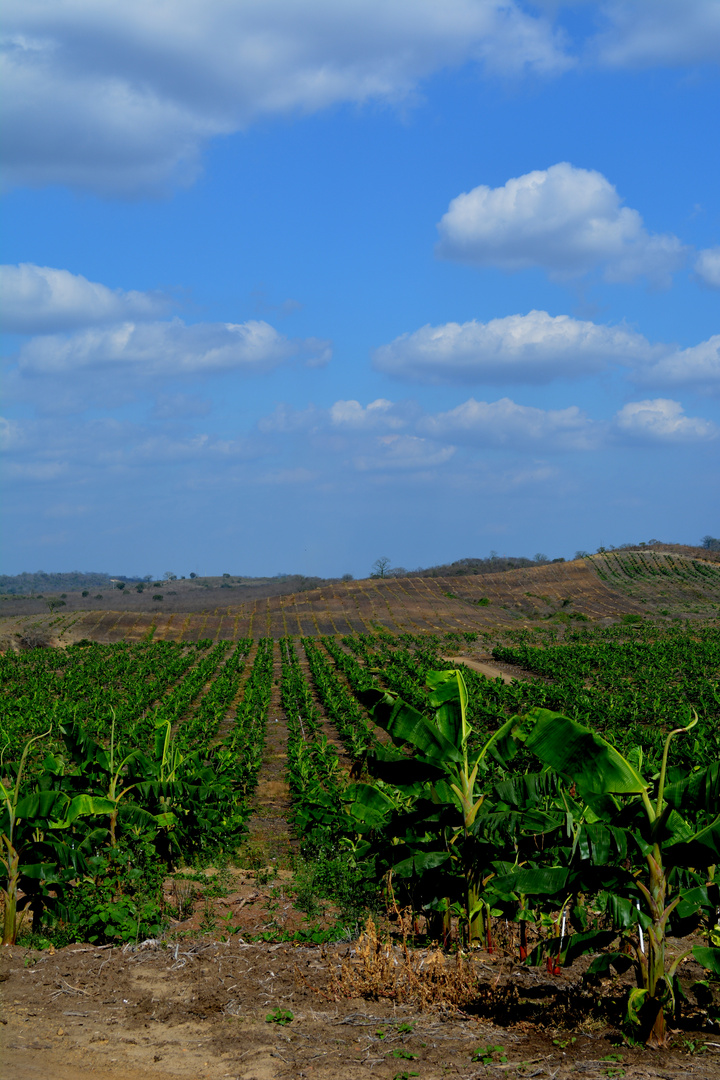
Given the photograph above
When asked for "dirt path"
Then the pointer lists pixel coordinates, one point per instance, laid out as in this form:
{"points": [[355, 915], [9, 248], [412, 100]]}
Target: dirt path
{"points": [[269, 836], [196, 1010], [490, 671]]}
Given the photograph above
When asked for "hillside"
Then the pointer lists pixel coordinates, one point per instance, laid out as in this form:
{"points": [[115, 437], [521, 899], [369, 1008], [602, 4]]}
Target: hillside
{"points": [[599, 589]]}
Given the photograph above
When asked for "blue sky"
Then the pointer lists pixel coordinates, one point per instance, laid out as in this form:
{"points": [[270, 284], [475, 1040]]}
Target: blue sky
{"points": [[288, 287]]}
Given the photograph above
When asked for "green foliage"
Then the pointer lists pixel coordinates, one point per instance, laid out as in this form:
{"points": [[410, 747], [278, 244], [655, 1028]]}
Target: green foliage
{"points": [[280, 1016]]}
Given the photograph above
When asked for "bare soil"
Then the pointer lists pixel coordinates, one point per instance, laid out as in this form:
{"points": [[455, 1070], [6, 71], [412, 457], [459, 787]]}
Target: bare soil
{"points": [[199, 1008]]}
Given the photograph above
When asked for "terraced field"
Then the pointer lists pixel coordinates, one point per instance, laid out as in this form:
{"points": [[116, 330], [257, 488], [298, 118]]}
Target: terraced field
{"points": [[602, 589]]}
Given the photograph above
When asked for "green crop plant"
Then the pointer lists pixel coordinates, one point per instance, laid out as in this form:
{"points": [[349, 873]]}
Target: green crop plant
{"points": [[607, 789], [429, 803]]}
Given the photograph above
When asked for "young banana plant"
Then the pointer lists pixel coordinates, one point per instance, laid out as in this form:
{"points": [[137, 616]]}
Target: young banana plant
{"points": [[607, 782], [10, 857], [442, 773]]}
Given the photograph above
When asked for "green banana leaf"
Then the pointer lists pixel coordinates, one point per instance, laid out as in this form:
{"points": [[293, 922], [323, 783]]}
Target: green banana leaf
{"points": [[40, 804], [419, 862], [587, 759], [368, 804], [698, 791], [450, 697], [702, 849], [707, 957], [407, 726], [543, 881]]}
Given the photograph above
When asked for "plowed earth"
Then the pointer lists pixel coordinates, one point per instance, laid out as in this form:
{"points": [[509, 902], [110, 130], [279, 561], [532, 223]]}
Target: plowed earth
{"points": [[199, 1009], [602, 589]]}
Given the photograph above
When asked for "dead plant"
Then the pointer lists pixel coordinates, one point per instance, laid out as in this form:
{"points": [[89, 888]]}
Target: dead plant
{"points": [[396, 973]]}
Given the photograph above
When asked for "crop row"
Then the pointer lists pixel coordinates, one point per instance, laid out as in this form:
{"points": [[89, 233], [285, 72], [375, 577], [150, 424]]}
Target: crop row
{"points": [[89, 686], [313, 767], [340, 705], [632, 692]]}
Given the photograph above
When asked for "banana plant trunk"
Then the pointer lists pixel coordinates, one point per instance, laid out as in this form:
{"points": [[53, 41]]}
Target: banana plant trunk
{"points": [[652, 963], [10, 897]]}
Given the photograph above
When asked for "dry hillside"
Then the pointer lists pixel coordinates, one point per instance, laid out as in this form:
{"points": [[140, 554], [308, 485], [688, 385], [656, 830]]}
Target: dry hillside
{"points": [[671, 583]]}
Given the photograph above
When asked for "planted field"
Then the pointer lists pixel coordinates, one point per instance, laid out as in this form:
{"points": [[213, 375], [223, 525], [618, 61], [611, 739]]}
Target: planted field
{"points": [[600, 590], [561, 829]]}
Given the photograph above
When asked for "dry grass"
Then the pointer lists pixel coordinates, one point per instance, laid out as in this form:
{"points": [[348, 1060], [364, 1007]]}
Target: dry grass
{"points": [[378, 970]]}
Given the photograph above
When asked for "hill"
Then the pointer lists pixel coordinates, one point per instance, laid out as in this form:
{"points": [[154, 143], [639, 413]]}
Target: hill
{"points": [[603, 588]]}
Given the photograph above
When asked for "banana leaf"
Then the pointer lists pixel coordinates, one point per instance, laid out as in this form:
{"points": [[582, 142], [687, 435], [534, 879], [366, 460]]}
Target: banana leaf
{"points": [[698, 791], [407, 726], [541, 881], [587, 759], [368, 804], [707, 957], [702, 849]]}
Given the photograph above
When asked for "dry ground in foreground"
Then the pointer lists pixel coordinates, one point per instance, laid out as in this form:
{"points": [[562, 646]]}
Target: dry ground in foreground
{"points": [[197, 1008]]}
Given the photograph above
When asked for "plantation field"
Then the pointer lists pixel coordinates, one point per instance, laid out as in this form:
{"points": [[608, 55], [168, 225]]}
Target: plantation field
{"points": [[206, 820], [599, 589]]}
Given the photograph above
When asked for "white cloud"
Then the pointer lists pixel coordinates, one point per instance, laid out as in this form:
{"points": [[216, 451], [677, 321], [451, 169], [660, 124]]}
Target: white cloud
{"points": [[662, 420], [707, 266], [167, 349], [180, 406], [533, 348], [120, 97], [648, 32], [566, 220], [404, 452], [505, 423], [351, 415], [697, 366], [35, 471], [11, 434], [40, 300]]}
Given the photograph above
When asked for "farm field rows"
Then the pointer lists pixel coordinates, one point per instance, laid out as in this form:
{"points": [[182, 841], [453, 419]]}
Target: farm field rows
{"points": [[286, 762], [599, 589]]}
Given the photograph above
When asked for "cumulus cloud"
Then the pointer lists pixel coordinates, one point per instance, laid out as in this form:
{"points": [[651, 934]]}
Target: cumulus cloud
{"points": [[566, 220], [41, 450], [505, 423], [120, 97], [41, 300], [533, 348], [353, 416], [697, 366], [662, 420], [405, 452], [659, 32], [167, 349], [707, 266]]}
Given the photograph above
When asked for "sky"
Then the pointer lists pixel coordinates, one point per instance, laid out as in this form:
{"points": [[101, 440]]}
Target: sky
{"points": [[288, 287]]}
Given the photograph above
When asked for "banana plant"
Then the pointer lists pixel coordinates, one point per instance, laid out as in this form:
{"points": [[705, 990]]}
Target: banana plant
{"points": [[430, 800], [41, 852], [613, 791], [10, 857]]}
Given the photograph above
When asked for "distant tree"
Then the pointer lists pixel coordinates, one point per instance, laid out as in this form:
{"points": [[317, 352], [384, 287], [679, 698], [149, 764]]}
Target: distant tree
{"points": [[348, 577], [169, 576], [157, 596], [226, 575], [582, 554], [98, 596], [120, 585], [85, 592], [140, 587], [540, 558], [380, 567], [52, 604], [710, 543], [193, 575]]}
